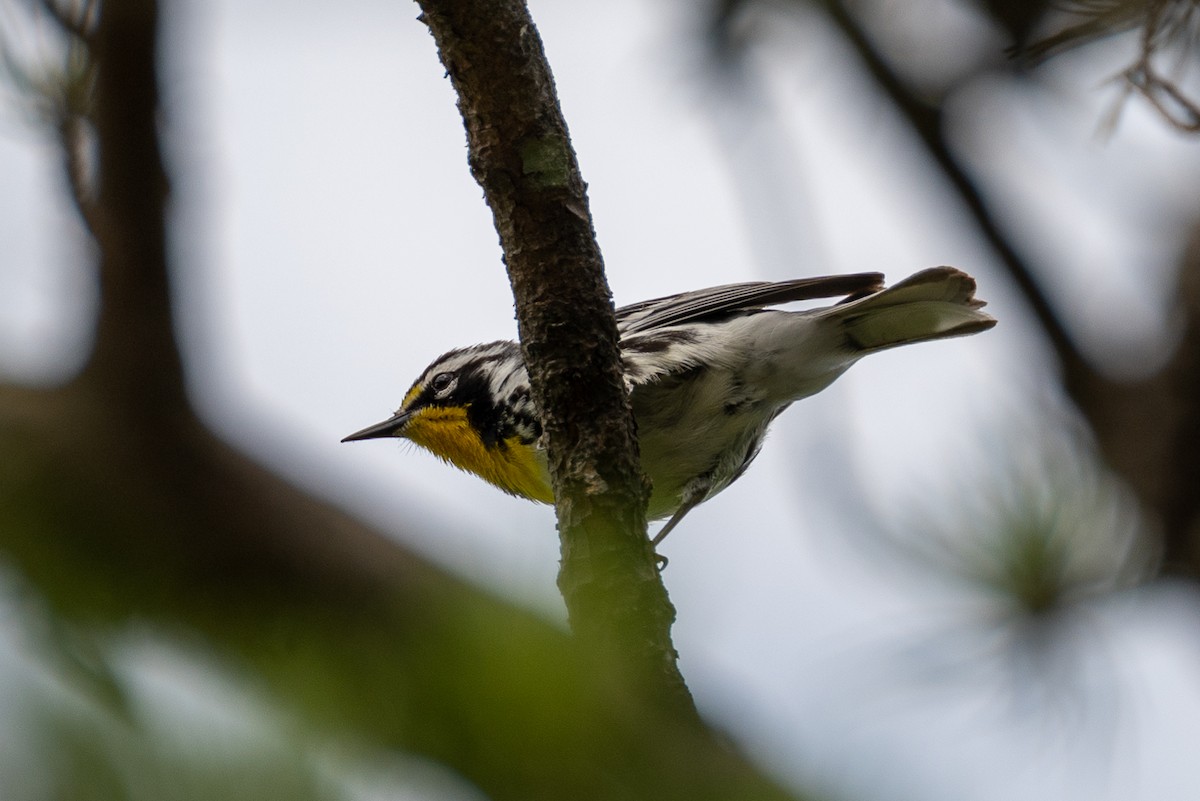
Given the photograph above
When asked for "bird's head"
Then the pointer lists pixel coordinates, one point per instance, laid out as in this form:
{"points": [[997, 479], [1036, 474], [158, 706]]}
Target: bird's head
{"points": [[471, 407]]}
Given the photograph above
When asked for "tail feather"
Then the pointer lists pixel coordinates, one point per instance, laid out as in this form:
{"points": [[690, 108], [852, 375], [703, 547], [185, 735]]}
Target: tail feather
{"points": [[933, 304]]}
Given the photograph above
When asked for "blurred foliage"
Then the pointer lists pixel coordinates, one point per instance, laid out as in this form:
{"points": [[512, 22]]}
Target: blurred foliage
{"points": [[1165, 29], [1085, 21], [45, 64], [120, 508], [1046, 527], [117, 522], [90, 755], [1020, 572], [90, 731], [1146, 429]]}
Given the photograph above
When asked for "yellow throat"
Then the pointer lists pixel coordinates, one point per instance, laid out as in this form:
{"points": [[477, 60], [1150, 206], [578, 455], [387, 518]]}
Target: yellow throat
{"points": [[509, 464]]}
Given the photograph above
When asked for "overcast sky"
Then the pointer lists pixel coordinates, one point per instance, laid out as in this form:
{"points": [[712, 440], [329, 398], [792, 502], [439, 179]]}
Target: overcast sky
{"points": [[332, 242]]}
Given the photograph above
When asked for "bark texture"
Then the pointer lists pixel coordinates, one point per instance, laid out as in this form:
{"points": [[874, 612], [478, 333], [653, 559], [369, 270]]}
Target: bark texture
{"points": [[521, 155], [119, 508]]}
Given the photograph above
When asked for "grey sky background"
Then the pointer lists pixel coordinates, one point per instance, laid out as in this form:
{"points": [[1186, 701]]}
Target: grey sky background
{"points": [[331, 243]]}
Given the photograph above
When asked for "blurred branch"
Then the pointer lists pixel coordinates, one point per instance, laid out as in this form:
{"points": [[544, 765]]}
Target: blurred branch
{"points": [[119, 506], [1164, 25], [58, 93], [521, 154], [1179, 383], [76, 17], [1094, 19], [1145, 429], [1019, 18], [1160, 28], [100, 97], [926, 121], [134, 356], [1136, 423], [347, 627], [1168, 100]]}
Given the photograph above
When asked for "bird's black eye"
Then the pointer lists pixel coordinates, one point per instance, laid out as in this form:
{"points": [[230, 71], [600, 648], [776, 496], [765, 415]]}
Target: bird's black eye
{"points": [[442, 382]]}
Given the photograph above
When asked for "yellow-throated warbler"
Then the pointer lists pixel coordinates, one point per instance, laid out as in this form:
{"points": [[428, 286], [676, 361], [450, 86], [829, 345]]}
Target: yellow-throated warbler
{"points": [[707, 372]]}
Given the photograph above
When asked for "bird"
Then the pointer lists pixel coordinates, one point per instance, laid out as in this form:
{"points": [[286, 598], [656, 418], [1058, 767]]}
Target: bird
{"points": [[707, 371]]}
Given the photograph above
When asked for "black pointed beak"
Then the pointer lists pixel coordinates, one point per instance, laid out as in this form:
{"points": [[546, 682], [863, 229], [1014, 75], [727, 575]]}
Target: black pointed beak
{"points": [[391, 427]]}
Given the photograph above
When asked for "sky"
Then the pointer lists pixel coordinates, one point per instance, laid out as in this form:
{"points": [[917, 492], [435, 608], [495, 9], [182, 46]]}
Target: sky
{"points": [[331, 243]]}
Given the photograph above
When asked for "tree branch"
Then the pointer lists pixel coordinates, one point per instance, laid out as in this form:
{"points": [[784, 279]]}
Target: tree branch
{"points": [[521, 155], [349, 630], [115, 517]]}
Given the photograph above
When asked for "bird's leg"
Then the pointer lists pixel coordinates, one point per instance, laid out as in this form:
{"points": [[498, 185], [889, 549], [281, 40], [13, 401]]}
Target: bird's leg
{"points": [[690, 501]]}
